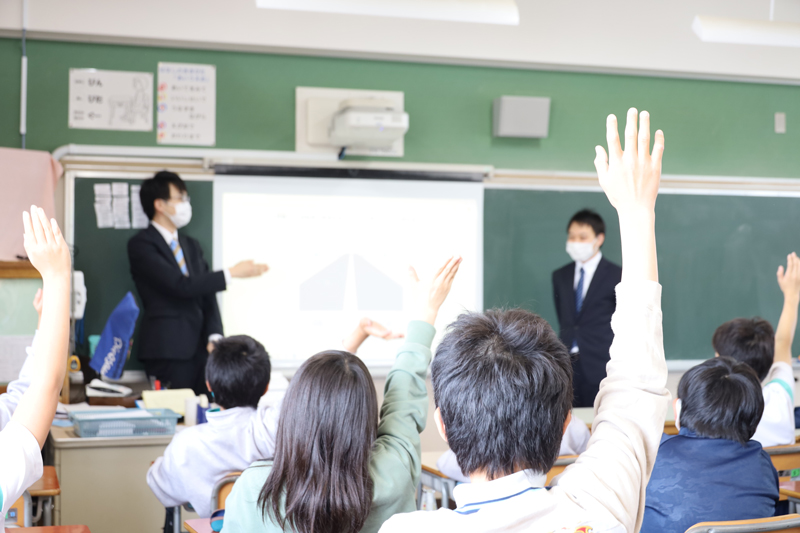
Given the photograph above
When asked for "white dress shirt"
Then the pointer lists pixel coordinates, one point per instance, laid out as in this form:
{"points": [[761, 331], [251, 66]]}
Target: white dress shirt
{"points": [[777, 423], [604, 489], [20, 463], [170, 236], [589, 268]]}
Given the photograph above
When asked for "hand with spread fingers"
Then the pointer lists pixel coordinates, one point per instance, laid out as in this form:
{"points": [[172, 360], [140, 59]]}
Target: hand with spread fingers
{"points": [[432, 295], [368, 328]]}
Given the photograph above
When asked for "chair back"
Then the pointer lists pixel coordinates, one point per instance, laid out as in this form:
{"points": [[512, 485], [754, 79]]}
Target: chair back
{"points": [[222, 488], [438, 482], [560, 465], [785, 524], [784, 457]]}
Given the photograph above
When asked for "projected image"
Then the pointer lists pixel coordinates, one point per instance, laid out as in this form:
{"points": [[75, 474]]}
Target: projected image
{"points": [[340, 250]]}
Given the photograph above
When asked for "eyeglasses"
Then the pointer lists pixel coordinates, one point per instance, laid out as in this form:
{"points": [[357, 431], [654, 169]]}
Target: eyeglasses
{"points": [[183, 198]]}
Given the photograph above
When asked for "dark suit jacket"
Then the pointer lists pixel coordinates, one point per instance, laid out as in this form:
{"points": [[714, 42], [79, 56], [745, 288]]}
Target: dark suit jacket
{"points": [[180, 312], [592, 327]]}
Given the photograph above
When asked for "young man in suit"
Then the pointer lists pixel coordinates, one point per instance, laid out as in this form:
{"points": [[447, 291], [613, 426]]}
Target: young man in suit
{"points": [[181, 319], [585, 300]]}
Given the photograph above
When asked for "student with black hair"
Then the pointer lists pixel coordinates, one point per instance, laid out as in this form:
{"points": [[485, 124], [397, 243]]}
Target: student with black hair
{"points": [[242, 430], [583, 292], [711, 470], [180, 319], [340, 466], [502, 387], [752, 342]]}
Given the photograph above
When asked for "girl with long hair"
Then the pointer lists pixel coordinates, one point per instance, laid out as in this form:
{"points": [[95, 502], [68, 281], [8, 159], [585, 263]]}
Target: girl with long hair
{"points": [[339, 467]]}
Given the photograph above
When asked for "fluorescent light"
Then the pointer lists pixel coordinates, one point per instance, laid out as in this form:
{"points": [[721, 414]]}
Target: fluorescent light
{"points": [[480, 11], [737, 31]]}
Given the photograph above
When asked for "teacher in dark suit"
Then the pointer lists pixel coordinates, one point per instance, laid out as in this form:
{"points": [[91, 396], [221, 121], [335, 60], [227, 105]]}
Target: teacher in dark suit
{"points": [[181, 319], [585, 300]]}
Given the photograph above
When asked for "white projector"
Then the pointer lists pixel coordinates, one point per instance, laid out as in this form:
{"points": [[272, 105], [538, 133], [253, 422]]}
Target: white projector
{"points": [[367, 123]]}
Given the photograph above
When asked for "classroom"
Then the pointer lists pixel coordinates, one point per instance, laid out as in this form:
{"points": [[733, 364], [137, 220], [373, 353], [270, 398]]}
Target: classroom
{"points": [[346, 265]]}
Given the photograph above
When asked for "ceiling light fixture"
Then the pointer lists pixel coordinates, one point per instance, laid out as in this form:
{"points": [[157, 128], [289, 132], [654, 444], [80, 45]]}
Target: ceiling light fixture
{"points": [[477, 11], [741, 31]]}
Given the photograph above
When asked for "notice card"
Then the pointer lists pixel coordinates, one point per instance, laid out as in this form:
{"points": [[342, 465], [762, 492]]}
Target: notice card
{"points": [[110, 100], [187, 104]]}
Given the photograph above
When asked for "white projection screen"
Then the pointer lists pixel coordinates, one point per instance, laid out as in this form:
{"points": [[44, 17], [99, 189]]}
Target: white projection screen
{"points": [[339, 250]]}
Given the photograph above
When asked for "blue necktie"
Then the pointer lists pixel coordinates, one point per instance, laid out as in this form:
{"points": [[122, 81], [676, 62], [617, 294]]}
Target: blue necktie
{"points": [[178, 253], [579, 293]]}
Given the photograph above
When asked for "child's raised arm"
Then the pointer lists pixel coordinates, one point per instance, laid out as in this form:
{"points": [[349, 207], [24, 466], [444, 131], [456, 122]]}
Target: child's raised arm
{"points": [[789, 282], [48, 252], [368, 328]]}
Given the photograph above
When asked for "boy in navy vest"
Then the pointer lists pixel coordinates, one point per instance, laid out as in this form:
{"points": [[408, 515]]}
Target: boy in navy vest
{"points": [[712, 470]]}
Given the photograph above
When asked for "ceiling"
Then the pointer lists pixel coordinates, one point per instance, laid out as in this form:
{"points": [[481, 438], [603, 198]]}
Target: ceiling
{"points": [[652, 37]]}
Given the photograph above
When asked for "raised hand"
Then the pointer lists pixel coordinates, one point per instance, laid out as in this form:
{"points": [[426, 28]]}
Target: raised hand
{"points": [[44, 244], [248, 269], [789, 278], [368, 328], [630, 178], [433, 293], [373, 329]]}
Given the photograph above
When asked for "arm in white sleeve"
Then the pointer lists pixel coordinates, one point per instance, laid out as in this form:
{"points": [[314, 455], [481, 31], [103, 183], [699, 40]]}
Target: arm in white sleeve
{"points": [[20, 463], [15, 390]]}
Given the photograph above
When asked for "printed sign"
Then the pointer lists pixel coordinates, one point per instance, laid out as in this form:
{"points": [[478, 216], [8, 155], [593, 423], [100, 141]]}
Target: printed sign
{"points": [[187, 104], [110, 100]]}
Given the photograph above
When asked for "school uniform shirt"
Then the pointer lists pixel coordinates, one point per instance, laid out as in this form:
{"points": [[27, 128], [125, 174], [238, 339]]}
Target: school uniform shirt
{"points": [[201, 455], [20, 463], [700, 480], [573, 443], [395, 464], [777, 423], [603, 491], [10, 399]]}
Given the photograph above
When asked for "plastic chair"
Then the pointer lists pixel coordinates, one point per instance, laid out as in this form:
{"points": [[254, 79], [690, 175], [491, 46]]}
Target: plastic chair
{"points": [[786, 524], [222, 488], [433, 479]]}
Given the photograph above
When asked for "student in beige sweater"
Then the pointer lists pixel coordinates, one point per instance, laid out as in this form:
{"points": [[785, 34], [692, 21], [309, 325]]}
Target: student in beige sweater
{"points": [[502, 386]]}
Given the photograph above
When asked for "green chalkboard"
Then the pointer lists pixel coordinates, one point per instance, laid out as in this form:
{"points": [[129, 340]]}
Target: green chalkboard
{"points": [[717, 256], [102, 254]]}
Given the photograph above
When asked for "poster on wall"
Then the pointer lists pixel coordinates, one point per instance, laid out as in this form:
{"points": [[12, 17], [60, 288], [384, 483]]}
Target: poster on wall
{"points": [[110, 100], [187, 104]]}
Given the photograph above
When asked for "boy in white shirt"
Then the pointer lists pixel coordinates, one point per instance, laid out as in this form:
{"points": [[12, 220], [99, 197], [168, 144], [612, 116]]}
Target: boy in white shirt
{"points": [[502, 384], [751, 341], [23, 437], [241, 432]]}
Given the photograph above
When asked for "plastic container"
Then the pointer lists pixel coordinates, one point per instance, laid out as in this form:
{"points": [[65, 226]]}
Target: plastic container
{"points": [[124, 422]]}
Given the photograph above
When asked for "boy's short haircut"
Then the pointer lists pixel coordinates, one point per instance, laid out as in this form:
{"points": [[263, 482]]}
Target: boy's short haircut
{"points": [[749, 340], [238, 371], [589, 218], [721, 399], [157, 188], [503, 382]]}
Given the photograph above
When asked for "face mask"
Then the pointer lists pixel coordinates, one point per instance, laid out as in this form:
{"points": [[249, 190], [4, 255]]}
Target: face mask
{"points": [[581, 251], [183, 214]]}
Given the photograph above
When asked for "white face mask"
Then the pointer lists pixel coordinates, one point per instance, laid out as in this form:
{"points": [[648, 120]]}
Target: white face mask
{"points": [[183, 214], [581, 251]]}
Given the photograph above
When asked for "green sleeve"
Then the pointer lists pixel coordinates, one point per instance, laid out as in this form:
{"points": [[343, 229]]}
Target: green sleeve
{"points": [[405, 401]]}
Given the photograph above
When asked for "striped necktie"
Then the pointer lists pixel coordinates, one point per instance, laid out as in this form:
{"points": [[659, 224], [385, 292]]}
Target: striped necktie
{"points": [[579, 293], [178, 253]]}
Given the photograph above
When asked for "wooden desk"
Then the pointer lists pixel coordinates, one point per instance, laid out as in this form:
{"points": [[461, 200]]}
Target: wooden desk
{"points": [[198, 525], [45, 489], [791, 490], [52, 529]]}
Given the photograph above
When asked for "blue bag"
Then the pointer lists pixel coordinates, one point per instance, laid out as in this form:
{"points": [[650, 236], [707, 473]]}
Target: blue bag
{"points": [[112, 350]]}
